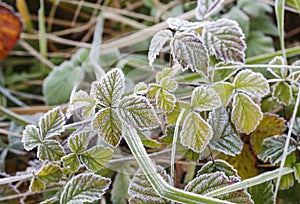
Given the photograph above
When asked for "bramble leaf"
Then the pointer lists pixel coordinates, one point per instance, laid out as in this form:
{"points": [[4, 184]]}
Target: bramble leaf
{"points": [[251, 83], [108, 91], [31, 137], [136, 111], [223, 70], [168, 84], [286, 181], [166, 72], [195, 133], [165, 101], [204, 99], [50, 173], [109, 125], [157, 43], [246, 115], [272, 149], [283, 93], [79, 141], [141, 88], [36, 185], [71, 162], [217, 166], [50, 150], [224, 90], [224, 43], [96, 157], [189, 51], [297, 172], [141, 191], [218, 120], [207, 7], [278, 72], [262, 193], [84, 188], [82, 99], [51, 123], [179, 105]]}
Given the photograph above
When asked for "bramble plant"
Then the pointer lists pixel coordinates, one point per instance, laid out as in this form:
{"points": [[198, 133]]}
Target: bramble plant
{"points": [[207, 104]]}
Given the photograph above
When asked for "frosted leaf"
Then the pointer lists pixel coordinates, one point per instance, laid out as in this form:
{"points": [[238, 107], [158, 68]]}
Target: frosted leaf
{"points": [[262, 193], [96, 157], [165, 101], [207, 7], [205, 98], [82, 99], [176, 23], [218, 165], [218, 120], [51, 200], [141, 192], [141, 88], [51, 123], [50, 150], [225, 40], [254, 84], [79, 141], [166, 72], [225, 91], [109, 125], [224, 70], [31, 137], [283, 93], [71, 162], [36, 185], [272, 149], [168, 84], [84, 188], [157, 43], [137, 111], [206, 183], [108, 91], [297, 172], [246, 115], [195, 133], [188, 50], [173, 115], [50, 173], [278, 72]]}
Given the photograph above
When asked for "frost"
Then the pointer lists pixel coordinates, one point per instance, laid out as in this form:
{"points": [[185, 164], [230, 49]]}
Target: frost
{"points": [[283, 93], [278, 72], [50, 173], [207, 7], [82, 99], [31, 137], [71, 162], [218, 120], [225, 91], [50, 150], [168, 84], [176, 23], [218, 166], [141, 88], [78, 142], [205, 98], [165, 101]]}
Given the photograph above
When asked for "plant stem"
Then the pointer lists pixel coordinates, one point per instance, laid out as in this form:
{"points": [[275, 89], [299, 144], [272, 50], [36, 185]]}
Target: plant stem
{"points": [[13, 116], [15, 178], [158, 183]]}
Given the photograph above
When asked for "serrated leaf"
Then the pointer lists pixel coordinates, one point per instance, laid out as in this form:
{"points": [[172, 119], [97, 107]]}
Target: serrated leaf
{"points": [[50, 201], [246, 115], [212, 181], [71, 162], [176, 23], [109, 125], [262, 193], [141, 191], [286, 181], [36, 185], [207, 7], [165, 101], [217, 165], [225, 40], [79, 141], [205, 98], [251, 83], [84, 188], [31, 137], [157, 43], [195, 133], [168, 84], [50, 150], [218, 120], [82, 99], [140, 88], [166, 72], [50, 173], [96, 157], [270, 125], [179, 105], [283, 93], [188, 51], [225, 91], [108, 91], [272, 149], [221, 73], [119, 192], [278, 72], [51, 123], [137, 111], [297, 172]]}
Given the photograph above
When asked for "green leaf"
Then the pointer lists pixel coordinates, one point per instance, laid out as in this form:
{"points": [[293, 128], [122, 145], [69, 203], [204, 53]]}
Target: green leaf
{"points": [[286, 181], [237, 14], [195, 133], [96, 157], [168, 84], [51, 124], [157, 43], [71, 162], [225, 91], [246, 115], [82, 99], [58, 85], [206, 183], [218, 120], [79, 141], [31, 137], [188, 50], [36, 185], [283, 93], [262, 44], [278, 72], [251, 83], [141, 88], [179, 105], [207, 7], [137, 111], [217, 165], [84, 188], [273, 147], [225, 40], [205, 98], [119, 190], [221, 72], [165, 101], [165, 73], [297, 172], [108, 91], [50, 150], [141, 191], [50, 173], [262, 193], [109, 125]]}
